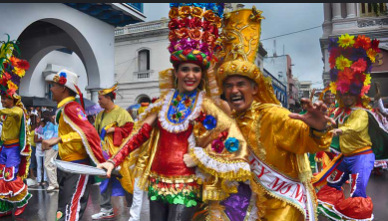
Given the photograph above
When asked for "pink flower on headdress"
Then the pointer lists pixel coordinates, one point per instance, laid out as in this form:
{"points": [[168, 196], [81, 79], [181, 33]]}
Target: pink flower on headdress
{"points": [[343, 86], [359, 66]]}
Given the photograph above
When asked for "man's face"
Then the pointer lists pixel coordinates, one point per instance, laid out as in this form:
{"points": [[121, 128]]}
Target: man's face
{"points": [[329, 98], [6, 101], [103, 101], [348, 99], [239, 92], [57, 91]]}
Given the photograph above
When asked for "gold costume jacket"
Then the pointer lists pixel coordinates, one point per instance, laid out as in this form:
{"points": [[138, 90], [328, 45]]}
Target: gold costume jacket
{"points": [[280, 142]]}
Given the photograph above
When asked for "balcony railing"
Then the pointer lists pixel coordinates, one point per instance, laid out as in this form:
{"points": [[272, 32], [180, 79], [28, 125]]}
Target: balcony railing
{"points": [[141, 27], [142, 75], [137, 6]]}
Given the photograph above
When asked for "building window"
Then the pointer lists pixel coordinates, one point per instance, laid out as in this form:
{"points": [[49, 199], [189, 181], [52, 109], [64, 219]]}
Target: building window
{"points": [[144, 60], [373, 9]]}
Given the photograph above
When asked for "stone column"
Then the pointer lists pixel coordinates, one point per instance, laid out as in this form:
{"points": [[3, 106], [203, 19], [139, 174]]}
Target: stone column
{"points": [[327, 12], [336, 11], [350, 10]]}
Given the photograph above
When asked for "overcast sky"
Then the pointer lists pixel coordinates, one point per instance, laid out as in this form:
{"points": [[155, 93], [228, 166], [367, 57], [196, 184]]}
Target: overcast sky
{"points": [[282, 18]]}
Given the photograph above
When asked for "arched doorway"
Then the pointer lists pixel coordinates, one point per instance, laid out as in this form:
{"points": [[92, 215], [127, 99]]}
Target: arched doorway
{"points": [[143, 99], [46, 35]]}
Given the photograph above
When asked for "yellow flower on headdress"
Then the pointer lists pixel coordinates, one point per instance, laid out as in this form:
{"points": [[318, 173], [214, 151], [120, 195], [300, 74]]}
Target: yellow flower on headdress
{"points": [[209, 15], [20, 72], [333, 88], [11, 85], [174, 13], [372, 55], [342, 62], [367, 80], [197, 12], [185, 11], [346, 41]]}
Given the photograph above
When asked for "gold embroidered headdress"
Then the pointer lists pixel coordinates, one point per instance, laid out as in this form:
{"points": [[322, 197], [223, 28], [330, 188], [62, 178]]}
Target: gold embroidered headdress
{"points": [[109, 90], [240, 40]]}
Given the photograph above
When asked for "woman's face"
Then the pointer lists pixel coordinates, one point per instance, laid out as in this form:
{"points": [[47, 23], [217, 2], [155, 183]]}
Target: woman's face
{"points": [[189, 77]]}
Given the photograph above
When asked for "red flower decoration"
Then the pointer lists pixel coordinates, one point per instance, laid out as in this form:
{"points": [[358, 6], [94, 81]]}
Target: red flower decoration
{"points": [[223, 135], [23, 64], [174, 24], [359, 66], [362, 42], [62, 80], [375, 45], [201, 117], [359, 78]]}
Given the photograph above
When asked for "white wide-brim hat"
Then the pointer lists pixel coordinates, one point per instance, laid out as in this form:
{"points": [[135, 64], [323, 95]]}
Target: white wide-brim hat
{"points": [[70, 79]]}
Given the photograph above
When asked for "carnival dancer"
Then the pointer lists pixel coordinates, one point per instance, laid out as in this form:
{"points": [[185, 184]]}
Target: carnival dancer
{"points": [[185, 142], [15, 150], [78, 142], [361, 136], [113, 124], [278, 140], [323, 158]]}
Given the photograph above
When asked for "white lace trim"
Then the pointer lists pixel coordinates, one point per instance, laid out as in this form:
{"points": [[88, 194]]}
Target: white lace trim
{"points": [[176, 128], [212, 163]]}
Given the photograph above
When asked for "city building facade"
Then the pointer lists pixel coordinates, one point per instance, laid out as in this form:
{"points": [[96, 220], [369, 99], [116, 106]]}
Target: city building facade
{"points": [[140, 54], [76, 36]]}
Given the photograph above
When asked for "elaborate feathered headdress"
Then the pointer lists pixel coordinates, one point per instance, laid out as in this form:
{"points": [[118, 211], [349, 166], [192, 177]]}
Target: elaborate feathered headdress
{"points": [[12, 69], [351, 62], [193, 32], [193, 38]]}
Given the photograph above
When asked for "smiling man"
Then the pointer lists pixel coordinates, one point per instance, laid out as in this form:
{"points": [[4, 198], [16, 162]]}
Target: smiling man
{"points": [[278, 140]]}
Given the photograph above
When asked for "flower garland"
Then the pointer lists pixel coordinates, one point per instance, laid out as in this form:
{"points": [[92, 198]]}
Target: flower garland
{"points": [[194, 26], [351, 62]]}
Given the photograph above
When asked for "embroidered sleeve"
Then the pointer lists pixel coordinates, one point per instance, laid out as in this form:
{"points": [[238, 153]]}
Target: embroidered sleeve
{"points": [[292, 135], [218, 146]]}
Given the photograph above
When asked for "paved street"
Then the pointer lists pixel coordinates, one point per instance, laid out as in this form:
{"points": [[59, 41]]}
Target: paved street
{"points": [[42, 206]]}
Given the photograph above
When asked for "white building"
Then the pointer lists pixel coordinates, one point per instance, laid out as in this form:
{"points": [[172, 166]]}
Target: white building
{"points": [[305, 89], [140, 54], [369, 19], [83, 33]]}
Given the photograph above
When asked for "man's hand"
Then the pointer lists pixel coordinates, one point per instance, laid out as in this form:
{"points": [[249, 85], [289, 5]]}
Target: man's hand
{"points": [[189, 161], [110, 130], [46, 144], [337, 132], [108, 166], [377, 95], [316, 115]]}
